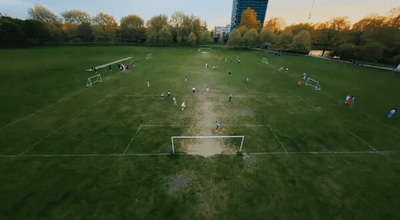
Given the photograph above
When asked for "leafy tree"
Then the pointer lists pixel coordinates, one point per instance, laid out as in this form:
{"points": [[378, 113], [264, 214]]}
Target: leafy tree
{"points": [[35, 31], [154, 25], [346, 51], [192, 38], [277, 25], [251, 38], [85, 32], [76, 17], [105, 27], [41, 13], [285, 40], [372, 51], [249, 19], [235, 38], [205, 37], [267, 36], [165, 36], [132, 28], [302, 41], [11, 34], [243, 30]]}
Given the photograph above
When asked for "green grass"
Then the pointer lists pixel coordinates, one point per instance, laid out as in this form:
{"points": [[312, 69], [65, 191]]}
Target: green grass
{"points": [[68, 151]]}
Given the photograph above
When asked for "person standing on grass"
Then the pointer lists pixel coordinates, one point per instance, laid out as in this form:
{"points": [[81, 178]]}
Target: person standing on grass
{"points": [[148, 83], [229, 73], [218, 125], [174, 99], [194, 90], [347, 100], [162, 96], [244, 87], [186, 78], [248, 79], [299, 83], [109, 66], [207, 90], [183, 106], [169, 95], [392, 113], [230, 97]]}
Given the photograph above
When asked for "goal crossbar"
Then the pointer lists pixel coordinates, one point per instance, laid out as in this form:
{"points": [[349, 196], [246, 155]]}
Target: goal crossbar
{"points": [[205, 137], [204, 48]]}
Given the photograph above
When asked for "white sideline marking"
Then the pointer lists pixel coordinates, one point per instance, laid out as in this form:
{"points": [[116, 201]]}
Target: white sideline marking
{"points": [[202, 126], [104, 65], [40, 110], [167, 154], [277, 138], [137, 131], [362, 140]]}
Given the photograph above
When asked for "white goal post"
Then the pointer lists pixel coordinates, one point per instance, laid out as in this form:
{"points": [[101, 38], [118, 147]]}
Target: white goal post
{"points": [[314, 83], [93, 79], [204, 137], [203, 48]]}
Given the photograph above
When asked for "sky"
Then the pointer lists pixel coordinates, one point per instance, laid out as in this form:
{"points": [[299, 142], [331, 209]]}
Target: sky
{"points": [[214, 12]]}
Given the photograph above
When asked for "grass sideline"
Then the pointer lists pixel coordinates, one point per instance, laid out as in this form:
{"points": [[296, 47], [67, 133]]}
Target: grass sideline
{"points": [[69, 151]]}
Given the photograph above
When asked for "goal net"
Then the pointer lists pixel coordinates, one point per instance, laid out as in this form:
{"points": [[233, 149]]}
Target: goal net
{"points": [[313, 83], [265, 60], [207, 145], [204, 49], [93, 79]]}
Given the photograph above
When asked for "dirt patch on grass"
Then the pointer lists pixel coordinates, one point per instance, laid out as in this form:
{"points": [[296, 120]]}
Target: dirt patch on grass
{"points": [[243, 112], [179, 183]]}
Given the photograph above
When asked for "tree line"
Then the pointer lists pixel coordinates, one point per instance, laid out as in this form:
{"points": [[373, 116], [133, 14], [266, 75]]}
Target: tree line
{"points": [[373, 38]]}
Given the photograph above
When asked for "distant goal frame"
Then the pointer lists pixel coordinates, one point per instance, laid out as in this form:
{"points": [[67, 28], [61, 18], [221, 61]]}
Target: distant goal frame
{"points": [[204, 48], [205, 137]]}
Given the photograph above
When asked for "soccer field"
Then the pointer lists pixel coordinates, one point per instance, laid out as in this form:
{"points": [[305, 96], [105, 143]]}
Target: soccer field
{"points": [[69, 151]]}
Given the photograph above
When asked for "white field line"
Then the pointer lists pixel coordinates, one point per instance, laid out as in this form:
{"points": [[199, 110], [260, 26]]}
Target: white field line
{"points": [[133, 137], [60, 128], [167, 154], [362, 140], [40, 110], [307, 103], [202, 126], [114, 62], [277, 138]]}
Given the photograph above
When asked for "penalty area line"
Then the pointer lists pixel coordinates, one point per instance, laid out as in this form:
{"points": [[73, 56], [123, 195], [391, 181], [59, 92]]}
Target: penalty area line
{"points": [[127, 147], [277, 138]]}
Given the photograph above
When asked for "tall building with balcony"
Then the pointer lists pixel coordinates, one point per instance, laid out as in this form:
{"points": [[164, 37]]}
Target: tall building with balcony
{"points": [[260, 6]]}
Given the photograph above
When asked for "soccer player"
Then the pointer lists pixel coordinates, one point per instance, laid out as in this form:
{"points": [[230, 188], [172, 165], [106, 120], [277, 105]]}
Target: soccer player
{"points": [[248, 79], [186, 78], [305, 75], [174, 99], [148, 83], [194, 90], [169, 95], [392, 113], [207, 90], [229, 73], [299, 83], [218, 125], [245, 87], [109, 66], [347, 100], [183, 106], [162, 96], [230, 97]]}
